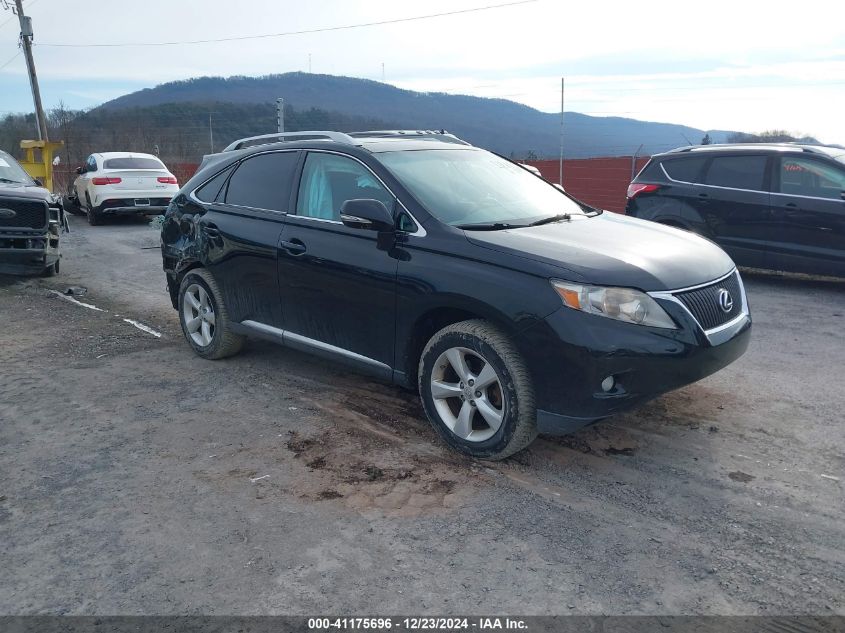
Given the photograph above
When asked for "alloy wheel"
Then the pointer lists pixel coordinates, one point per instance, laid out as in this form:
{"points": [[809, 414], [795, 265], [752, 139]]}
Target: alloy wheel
{"points": [[467, 394], [198, 314]]}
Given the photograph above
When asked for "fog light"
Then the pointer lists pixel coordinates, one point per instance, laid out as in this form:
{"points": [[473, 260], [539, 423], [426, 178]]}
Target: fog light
{"points": [[608, 383]]}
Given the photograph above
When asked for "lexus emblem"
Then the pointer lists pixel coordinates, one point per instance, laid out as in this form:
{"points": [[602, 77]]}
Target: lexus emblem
{"points": [[7, 214], [726, 301]]}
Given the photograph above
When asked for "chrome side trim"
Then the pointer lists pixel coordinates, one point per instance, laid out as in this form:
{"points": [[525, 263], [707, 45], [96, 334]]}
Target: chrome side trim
{"points": [[669, 295], [297, 340]]}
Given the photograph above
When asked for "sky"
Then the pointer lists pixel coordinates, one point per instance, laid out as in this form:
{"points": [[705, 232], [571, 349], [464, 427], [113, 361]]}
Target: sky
{"points": [[748, 66]]}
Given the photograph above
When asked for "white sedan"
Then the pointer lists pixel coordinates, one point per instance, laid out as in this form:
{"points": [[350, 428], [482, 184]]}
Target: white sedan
{"points": [[122, 183]]}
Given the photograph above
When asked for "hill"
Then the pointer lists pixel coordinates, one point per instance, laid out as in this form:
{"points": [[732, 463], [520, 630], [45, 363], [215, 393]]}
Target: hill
{"points": [[503, 126]]}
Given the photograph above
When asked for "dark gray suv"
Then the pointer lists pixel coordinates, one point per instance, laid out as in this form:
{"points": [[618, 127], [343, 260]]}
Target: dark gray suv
{"points": [[774, 206]]}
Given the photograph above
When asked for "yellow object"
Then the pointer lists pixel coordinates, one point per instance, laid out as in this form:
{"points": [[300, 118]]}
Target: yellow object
{"points": [[41, 168]]}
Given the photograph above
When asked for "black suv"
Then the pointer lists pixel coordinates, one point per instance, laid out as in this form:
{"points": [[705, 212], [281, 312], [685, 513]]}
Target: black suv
{"points": [[31, 221], [513, 308], [774, 206]]}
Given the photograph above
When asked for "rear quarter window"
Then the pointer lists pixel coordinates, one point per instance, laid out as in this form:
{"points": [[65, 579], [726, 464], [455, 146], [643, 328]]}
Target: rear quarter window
{"points": [[651, 173], [686, 169]]}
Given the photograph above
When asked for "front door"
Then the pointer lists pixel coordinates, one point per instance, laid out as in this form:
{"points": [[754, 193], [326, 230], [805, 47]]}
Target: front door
{"points": [[809, 211], [338, 288]]}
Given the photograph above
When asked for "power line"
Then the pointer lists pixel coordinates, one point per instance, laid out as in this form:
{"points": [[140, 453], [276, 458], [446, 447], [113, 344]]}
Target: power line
{"points": [[18, 54], [303, 32], [14, 17]]}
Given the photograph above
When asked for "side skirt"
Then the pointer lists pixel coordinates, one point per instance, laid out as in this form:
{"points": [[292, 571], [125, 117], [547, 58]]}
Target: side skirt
{"points": [[318, 348]]}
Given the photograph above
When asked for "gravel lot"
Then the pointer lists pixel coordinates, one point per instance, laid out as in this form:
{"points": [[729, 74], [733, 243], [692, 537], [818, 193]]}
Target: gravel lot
{"points": [[136, 478]]}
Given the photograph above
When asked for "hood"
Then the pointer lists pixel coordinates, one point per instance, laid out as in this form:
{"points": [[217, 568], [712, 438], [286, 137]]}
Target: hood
{"points": [[15, 190], [615, 250]]}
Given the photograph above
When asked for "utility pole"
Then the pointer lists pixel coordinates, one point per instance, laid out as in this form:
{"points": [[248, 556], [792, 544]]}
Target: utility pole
{"points": [[26, 42], [280, 114], [210, 133], [560, 176]]}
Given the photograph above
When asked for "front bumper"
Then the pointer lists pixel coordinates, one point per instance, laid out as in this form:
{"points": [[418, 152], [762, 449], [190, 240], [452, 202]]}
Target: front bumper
{"points": [[571, 353], [26, 261]]}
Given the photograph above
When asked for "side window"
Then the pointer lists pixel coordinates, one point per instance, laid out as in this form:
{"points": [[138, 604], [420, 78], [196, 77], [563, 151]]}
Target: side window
{"points": [[737, 172], [329, 180], [651, 172], [804, 177], [210, 191], [263, 181], [686, 169]]}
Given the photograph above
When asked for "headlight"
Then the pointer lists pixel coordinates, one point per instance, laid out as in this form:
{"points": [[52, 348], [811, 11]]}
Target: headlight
{"points": [[623, 304]]}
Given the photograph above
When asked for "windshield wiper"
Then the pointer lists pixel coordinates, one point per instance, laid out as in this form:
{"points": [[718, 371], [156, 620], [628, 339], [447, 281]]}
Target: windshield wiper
{"points": [[489, 226], [17, 182], [554, 218]]}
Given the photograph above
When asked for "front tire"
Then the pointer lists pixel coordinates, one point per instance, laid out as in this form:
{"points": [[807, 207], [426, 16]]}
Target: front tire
{"points": [[52, 270], [204, 317], [476, 390]]}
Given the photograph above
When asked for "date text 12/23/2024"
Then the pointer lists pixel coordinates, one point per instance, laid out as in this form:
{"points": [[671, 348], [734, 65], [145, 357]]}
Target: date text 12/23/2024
{"points": [[416, 624]]}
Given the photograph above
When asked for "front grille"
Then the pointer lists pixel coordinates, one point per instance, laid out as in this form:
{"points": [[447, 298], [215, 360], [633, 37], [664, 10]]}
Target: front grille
{"points": [[16, 213], [704, 302]]}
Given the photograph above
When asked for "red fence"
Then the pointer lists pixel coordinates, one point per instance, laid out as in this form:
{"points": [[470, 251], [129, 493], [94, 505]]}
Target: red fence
{"points": [[600, 182]]}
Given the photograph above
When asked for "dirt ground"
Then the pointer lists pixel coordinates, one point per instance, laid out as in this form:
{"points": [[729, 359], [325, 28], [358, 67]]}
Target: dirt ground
{"points": [[136, 478]]}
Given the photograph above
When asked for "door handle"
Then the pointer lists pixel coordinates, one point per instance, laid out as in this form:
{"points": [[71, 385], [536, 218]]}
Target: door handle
{"points": [[294, 246], [209, 230], [703, 196], [791, 205]]}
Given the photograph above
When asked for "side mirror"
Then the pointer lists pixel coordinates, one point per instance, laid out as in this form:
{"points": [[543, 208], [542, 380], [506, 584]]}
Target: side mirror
{"points": [[39, 182], [369, 215], [79, 170]]}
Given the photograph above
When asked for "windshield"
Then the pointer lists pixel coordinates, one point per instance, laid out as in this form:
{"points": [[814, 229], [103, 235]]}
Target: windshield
{"points": [[466, 187], [10, 171]]}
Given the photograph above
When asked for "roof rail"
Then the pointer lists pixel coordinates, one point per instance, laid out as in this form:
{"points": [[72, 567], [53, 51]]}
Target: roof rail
{"points": [[282, 137], [441, 135], [784, 146]]}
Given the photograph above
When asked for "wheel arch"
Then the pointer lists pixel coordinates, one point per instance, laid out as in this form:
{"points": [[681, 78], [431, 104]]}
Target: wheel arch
{"points": [[433, 318]]}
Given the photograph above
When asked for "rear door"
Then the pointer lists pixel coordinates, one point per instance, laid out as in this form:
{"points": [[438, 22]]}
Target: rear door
{"points": [[809, 213], [734, 200], [241, 229]]}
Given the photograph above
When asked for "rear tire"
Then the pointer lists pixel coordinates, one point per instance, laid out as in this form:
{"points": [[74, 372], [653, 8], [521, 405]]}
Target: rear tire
{"points": [[94, 218], [476, 390], [204, 317]]}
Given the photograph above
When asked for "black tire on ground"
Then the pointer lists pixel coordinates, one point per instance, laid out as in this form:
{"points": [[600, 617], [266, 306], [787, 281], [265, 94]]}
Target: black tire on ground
{"points": [[94, 218], [519, 421], [223, 341], [71, 205], [51, 270]]}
